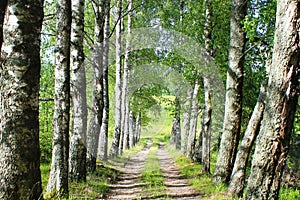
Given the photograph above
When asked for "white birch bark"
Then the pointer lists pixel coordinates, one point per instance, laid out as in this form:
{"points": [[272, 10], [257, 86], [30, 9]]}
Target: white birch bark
{"points": [[233, 102], [282, 95], [193, 122], [103, 139], [77, 161], [20, 176], [58, 180], [114, 151]]}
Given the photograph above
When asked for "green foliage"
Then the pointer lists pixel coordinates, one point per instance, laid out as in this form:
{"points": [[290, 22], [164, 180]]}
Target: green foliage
{"points": [[95, 187], [294, 156], [289, 194]]}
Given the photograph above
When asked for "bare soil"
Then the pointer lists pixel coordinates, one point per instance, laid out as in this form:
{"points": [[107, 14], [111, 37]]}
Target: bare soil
{"points": [[129, 185]]}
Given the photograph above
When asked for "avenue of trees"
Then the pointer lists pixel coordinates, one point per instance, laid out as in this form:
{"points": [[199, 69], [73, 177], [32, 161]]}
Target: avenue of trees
{"points": [[63, 101]]}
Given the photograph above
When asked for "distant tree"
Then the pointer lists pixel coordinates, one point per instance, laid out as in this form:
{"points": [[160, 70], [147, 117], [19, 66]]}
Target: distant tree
{"points": [[19, 105], [58, 180], [233, 102], [186, 115], [193, 120], [282, 95], [77, 166], [176, 130]]}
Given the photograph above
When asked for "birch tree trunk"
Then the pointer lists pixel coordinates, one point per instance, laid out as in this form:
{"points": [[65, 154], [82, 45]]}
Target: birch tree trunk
{"points": [[282, 94], [3, 5], [186, 118], [176, 132], [237, 182], [132, 130], [58, 180], [207, 112], [103, 140], [125, 103], [97, 109], [20, 176], [77, 163], [138, 126], [193, 122], [233, 102], [114, 151]]}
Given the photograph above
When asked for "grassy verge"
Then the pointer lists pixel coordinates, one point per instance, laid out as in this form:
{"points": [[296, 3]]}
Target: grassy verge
{"points": [[96, 185], [152, 175], [200, 182]]}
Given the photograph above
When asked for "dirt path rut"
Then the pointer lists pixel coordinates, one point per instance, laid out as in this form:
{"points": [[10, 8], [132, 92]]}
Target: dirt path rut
{"points": [[128, 185], [177, 186]]}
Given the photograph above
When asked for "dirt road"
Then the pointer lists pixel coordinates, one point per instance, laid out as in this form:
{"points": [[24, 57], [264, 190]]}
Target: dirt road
{"points": [[130, 186]]}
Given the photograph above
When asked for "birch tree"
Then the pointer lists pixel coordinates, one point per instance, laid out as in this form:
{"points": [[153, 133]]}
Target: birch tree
{"points": [[77, 166], [114, 151], [103, 140], [282, 94], [186, 118], [207, 112], [125, 102], [3, 5], [193, 121], [233, 102], [58, 180], [237, 181], [20, 176], [97, 109]]}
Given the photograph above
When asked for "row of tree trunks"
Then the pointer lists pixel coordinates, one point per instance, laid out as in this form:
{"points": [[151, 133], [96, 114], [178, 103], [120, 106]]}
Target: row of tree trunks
{"points": [[273, 139], [233, 102], [239, 170], [58, 180], [20, 176]]}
